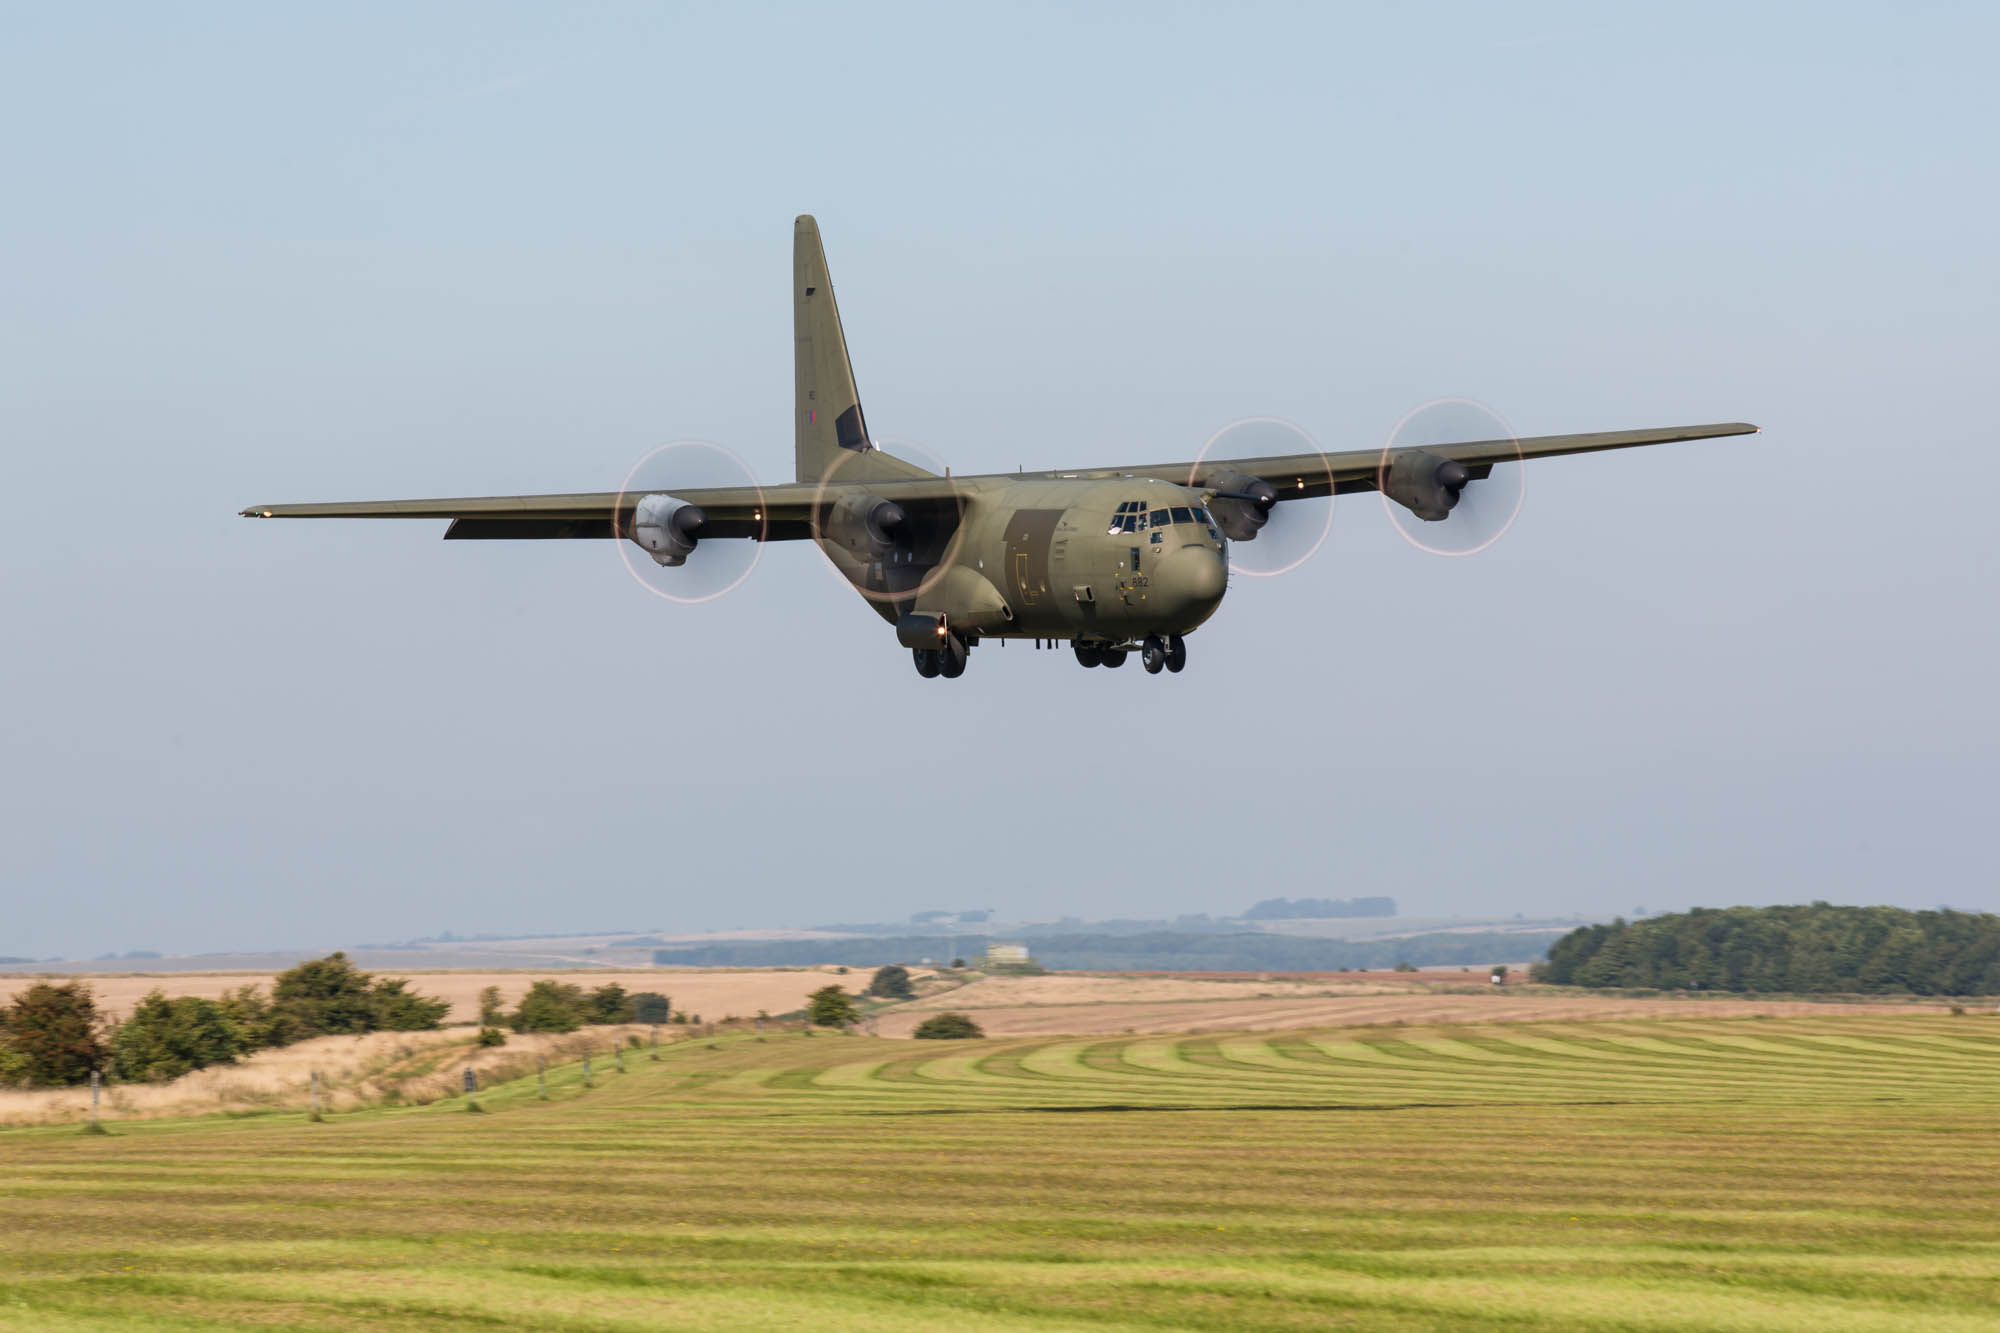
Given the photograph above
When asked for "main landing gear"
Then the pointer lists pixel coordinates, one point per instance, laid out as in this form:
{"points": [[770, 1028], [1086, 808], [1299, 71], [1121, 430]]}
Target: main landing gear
{"points": [[947, 659], [1155, 654]]}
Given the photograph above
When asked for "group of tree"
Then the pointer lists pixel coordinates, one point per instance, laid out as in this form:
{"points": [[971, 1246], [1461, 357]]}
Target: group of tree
{"points": [[1286, 909], [947, 1027], [892, 983], [53, 1034], [1816, 948], [561, 1006], [831, 1007]]}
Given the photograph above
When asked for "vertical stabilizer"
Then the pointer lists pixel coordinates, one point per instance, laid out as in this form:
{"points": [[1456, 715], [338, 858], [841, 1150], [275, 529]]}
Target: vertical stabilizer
{"points": [[830, 423]]}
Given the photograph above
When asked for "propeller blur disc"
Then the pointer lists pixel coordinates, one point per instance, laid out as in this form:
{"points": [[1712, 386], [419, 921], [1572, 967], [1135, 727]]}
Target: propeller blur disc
{"points": [[1487, 506], [717, 565], [882, 580], [1296, 529]]}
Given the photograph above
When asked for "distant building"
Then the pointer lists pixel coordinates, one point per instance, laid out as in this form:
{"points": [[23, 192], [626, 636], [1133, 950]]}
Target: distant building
{"points": [[1009, 958]]}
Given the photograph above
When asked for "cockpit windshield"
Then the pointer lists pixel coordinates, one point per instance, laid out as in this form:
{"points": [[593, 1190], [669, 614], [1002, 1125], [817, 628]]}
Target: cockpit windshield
{"points": [[1133, 516]]}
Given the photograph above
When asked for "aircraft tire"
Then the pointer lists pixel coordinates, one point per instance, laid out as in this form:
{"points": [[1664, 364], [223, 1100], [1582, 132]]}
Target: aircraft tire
{"points": [[1154, 655], [1089, 654], [1114, 657], [927, 661], [951, 658], [1176, 653]]}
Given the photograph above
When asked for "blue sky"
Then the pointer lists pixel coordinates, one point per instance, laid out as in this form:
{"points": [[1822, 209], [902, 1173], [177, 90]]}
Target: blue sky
{"points": [[262, 253]]}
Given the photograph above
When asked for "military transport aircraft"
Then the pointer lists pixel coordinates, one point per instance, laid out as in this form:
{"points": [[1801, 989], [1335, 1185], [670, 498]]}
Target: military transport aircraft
{"points": [[1110, 560]]}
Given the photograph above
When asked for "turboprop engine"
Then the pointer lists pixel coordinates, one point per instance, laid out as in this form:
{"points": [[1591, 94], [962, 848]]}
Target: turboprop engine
{"points": [[1242, 504], [666, 528], [867, 525], [1425, 484]]}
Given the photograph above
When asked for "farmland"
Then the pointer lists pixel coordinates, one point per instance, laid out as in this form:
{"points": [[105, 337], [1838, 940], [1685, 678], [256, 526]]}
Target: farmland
{"points": [[1682, 1173]]}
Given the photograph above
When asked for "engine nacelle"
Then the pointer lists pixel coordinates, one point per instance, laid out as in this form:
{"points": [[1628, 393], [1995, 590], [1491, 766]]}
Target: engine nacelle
{"points": [[666, 528], [1424, 483], [1242, 503], [867, 525]]}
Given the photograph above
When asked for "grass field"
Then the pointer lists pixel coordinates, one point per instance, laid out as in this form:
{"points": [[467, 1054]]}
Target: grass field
{"points": [[1788, 1173]]}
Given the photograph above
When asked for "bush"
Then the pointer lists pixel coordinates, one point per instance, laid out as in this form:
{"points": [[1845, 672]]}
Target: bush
{"points": [[330, 995], [53, 1034], [492, 1013], [399, 1009], [492, 1036], [550, 1006], [165, 1038], [947, 1027], [1405, 965], [831, 1007], [609, 1004], [892, 983], [651, 1007]]}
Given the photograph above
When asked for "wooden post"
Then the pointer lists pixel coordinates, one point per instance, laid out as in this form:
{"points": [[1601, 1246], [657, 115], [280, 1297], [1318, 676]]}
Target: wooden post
{"points": [[618, 1054], [315, 1096], [471, 1089], [586, 1071], [541, 1078], [96, 1090]]}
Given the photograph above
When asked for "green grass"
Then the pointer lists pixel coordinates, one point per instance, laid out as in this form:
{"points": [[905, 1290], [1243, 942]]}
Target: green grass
{"points": [[1839, 1172]]}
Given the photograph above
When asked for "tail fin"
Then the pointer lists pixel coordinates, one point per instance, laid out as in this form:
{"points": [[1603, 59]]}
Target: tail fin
{"points": [[829, 406], [830, 426]]}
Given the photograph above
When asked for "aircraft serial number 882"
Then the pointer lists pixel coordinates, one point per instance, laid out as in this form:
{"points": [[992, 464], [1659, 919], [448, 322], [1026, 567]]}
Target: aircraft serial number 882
{"points": [[1110, 560]]}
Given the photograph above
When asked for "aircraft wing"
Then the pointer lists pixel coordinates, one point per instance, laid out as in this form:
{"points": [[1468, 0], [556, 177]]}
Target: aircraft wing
{"points": [[767, 513], [1302, 476]]}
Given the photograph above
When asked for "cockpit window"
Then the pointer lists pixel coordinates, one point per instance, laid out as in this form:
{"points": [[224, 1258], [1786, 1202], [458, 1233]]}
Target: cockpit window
{"points": [[1129, 518], [1201, 515], [1182, 514], [1161, 518]]}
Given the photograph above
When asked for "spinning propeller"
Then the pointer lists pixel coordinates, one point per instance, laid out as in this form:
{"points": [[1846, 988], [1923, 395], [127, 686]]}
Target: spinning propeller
{"points": [[1266, 538], [1458, 509], [664, 549]]}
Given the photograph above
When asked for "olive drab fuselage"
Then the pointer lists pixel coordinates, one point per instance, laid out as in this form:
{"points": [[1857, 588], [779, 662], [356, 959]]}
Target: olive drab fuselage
{"points": [[1108, 560]]}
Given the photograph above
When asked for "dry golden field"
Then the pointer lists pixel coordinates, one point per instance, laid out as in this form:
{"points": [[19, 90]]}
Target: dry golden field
{"points": [[1034, 1006]]}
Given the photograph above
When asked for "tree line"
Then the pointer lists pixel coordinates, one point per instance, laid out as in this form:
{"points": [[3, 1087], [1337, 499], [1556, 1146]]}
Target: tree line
{"points": [[1814, 948], [53, 1035]]}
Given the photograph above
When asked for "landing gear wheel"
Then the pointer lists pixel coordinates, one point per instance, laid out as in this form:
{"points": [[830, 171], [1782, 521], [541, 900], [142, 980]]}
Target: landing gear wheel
{"points": [[1153, 656], [952, 657], [1176, 653], [927, 661], [1088, 654], [1114, 657]]}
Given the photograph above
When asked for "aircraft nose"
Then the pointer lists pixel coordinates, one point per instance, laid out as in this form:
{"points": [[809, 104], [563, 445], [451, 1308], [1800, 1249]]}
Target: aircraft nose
{"points": [[1193, 577]]}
